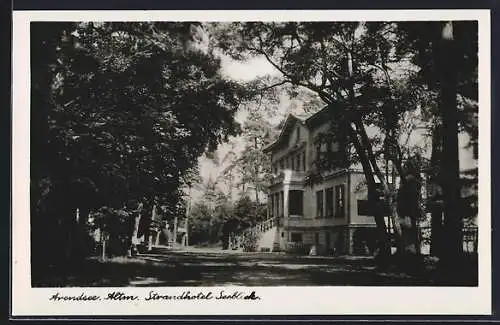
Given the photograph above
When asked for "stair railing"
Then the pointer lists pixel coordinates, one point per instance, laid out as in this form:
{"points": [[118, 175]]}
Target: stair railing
{"points": [[261, 227]]}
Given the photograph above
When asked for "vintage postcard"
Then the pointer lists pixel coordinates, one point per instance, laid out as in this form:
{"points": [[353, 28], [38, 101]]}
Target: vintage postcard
{"points": [[251, 163]]}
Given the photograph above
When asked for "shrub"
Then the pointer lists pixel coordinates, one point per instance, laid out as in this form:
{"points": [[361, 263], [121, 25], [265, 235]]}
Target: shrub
{"points": [[116, 223], [250, 241]]}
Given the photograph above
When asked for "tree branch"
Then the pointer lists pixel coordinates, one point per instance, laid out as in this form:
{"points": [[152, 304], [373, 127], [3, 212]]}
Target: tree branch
{"points": [[293, 80], [274, 85]]}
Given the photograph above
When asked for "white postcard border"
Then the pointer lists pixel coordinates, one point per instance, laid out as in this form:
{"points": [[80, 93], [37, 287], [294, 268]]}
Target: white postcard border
{"points": [[27, 301]]}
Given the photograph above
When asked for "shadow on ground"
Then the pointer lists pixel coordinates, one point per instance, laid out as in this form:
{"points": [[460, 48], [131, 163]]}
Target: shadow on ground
{"points": [[216, 269]]}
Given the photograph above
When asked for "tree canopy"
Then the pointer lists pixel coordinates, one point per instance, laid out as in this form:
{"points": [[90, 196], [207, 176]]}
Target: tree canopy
{"points": [[123, 111], [370, 74]]}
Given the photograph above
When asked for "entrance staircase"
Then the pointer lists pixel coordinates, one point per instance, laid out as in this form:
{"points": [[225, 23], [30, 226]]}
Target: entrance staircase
{"points": [[266, 231]]}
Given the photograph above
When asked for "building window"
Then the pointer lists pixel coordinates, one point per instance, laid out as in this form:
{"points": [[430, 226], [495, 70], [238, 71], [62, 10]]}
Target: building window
{"points": [[275, 168], [316, 238], [298, 134], [329, 202], [303, 161], [340, 201], [281, 164], [318, 152], [282, 205], [319, 204], [292, 163], [298, 162], [295, 205], [296, 237], [282, 234]]}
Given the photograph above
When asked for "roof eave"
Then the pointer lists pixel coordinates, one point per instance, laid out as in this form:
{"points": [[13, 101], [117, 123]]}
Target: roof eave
{"points": [[280, 136]]}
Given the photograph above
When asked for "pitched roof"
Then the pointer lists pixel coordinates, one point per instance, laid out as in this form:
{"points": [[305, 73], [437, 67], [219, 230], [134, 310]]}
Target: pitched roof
{"points": [[285, 130], [306, 119]]}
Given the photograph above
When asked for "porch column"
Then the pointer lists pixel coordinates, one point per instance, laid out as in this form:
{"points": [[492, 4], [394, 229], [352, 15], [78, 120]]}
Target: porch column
{"points": [[268, 207], [271, 195], [286, 189], [285, 201], [276, 241], [325, 203], [277, 204]]}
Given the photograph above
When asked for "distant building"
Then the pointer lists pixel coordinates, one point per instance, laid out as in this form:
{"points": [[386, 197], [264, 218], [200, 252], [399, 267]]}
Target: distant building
{"points": [[331, 215], [326, 215]]}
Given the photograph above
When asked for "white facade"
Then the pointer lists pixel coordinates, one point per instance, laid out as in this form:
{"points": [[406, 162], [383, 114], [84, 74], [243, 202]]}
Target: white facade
{"points": [[322, 217]]}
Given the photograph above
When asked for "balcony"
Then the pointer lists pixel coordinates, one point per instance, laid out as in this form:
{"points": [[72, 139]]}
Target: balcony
{"points": [[289, 176]]}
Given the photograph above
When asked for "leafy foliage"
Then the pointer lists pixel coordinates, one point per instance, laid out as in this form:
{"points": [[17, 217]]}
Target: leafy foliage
{"points": [[371, 74], [253, 166], [123, 111], [250, 241]]}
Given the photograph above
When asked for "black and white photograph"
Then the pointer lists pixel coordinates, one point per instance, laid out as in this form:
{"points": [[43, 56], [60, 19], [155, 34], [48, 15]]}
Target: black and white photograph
{"points": [[252, 153]]}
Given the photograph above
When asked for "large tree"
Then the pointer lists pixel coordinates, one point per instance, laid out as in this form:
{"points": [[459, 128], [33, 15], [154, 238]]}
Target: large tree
{"points": [[446, 52], [252, 166], [349, 66], [360, 71], [125, 110]]}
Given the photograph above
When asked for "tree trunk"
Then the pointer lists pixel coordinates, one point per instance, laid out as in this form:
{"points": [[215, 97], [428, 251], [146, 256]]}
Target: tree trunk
{"points": [[383, 243], [231, 190], [436, 231], [150, 241], [450, 163], [186, 236], [157, 239], [135, 231], [150, 230], [435, 197], [361, 149], [103, 240], [256, 175], [188, 213], [174, 235], [386, 190]]}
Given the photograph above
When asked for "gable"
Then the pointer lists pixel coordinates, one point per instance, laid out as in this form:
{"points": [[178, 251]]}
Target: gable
{"points": [[308, 123], [289, 128]]}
